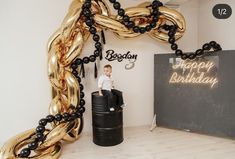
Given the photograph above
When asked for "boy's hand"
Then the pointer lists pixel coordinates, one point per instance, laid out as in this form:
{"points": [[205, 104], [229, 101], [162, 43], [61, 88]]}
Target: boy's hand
{"points": [[100, 94]]}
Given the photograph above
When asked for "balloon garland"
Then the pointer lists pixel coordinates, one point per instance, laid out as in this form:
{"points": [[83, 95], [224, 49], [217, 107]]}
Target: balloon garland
{"points": [[65, 66]]}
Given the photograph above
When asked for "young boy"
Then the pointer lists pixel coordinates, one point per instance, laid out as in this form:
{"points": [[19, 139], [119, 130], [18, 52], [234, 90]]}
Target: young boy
{"points": [[106, 87]]}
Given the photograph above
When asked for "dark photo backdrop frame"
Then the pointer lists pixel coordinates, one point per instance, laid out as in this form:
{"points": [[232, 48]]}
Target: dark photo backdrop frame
{"points": [[197, 108]]}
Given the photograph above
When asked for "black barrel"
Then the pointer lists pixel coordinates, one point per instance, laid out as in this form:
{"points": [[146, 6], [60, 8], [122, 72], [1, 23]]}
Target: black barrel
{"points": [[107, 126]]}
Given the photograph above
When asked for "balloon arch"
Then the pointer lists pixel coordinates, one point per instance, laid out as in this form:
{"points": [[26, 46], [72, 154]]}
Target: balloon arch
{"points": [[65, 65]]}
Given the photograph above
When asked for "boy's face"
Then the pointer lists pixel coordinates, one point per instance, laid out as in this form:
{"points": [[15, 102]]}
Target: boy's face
{"points": [[107, 71]]}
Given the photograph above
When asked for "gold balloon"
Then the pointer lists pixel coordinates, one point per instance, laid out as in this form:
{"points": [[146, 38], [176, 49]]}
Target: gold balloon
{"points": [[141, 13], [135, 12], [8, 149], [56, 106], [75, 133], [107, 22], [54, 70], [174, 17], [74, 51], [52, 40], [169, 15], [52, 152], [86, 35], [56, 134], [69, 22], [63, 47], [73, 89], [12, 146], [75, 4]]}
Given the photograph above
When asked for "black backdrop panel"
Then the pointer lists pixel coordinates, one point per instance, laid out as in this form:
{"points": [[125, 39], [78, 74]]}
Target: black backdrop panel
{"points": [[196, 107]]}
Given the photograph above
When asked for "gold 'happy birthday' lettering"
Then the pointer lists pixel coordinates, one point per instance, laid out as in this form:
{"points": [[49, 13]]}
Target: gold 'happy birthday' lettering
{"points": [[196, 73], [192, 66]]}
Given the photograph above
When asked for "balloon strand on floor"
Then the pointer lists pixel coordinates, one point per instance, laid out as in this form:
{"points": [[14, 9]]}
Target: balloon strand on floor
{"points": [[66, 66]]}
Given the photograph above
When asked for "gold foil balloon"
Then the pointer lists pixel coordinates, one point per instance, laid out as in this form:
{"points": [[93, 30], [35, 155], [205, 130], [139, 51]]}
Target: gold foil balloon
{"points": [[64, 46]]}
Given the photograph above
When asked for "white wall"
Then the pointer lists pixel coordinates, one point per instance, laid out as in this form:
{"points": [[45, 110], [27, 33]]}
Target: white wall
{"points": [[25, 90], [221, 30]]}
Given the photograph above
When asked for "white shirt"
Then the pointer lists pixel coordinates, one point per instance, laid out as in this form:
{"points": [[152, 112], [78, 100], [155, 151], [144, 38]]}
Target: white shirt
{"points": [[105, 82]]}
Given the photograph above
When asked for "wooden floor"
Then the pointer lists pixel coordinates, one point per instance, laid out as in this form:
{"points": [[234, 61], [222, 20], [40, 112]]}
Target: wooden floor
{"points": [[162, 143]]}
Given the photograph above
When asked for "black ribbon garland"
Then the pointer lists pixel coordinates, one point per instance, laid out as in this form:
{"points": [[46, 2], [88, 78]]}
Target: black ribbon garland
{"points": [[83, 71], [101, 56], [103, 37], [103, 42], [96, 71]]}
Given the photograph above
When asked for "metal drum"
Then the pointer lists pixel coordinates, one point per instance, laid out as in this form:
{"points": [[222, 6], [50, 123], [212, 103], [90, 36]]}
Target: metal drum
{"points": [[107, 126]]}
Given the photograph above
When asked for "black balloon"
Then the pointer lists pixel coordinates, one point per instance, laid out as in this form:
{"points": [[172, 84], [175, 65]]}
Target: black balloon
{"points": [[212, 43], [66, 116], [148, 28], [79, 79], [86, 60], [142, 30], [82, 109], [75, 72], [74, 66], [78, 61], [206, 46], [97, 53], [126, 18], [136, 29], [87, 4], [92, 30], [33, 145], [58, 117], [87, 12], [199, 52], [192, 56], [50, 118], [96, 37], [25, 152], [171, 34], [184, 56], [98, 45], [82, 95], [171, 40], [116, 5], [174, 46], [89, 22], [178, 52], [82, 102], [40, 129], [153, 24], [43, 122], [39, 136], [130, 24], [74, 115], [92, 58], [121, 12], [81, 87]]}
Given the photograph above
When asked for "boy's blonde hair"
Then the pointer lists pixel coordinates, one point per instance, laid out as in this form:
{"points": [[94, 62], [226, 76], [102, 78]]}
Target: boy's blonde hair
{"points": [[108, 66]]}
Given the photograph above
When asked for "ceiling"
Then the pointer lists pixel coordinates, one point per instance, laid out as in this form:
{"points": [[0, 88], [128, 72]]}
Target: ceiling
{"points": [[174, 3]]}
